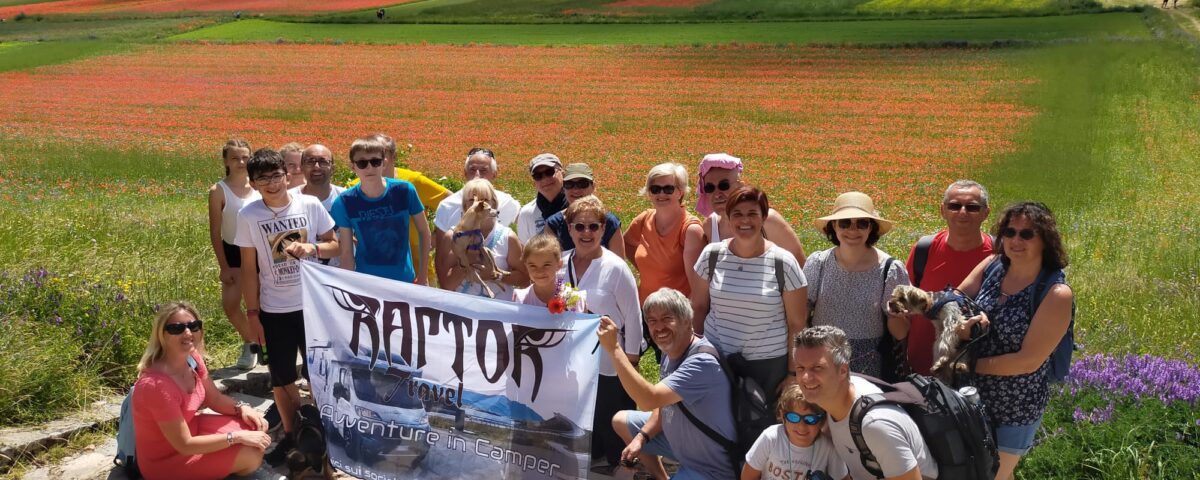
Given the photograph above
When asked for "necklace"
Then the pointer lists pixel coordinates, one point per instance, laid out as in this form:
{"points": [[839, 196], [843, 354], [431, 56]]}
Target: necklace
{"points": [[275, 213]]}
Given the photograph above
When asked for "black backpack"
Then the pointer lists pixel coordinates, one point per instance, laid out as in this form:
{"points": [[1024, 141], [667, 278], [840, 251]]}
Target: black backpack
{"points": [[955, 427], [751, 413]]}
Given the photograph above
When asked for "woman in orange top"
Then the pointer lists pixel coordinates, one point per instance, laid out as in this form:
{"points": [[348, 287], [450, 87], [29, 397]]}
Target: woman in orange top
{"points": [[665, 241]]}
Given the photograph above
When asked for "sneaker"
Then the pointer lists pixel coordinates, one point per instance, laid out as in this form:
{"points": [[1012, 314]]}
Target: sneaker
{"points": [[248, 359], [278, 456]]}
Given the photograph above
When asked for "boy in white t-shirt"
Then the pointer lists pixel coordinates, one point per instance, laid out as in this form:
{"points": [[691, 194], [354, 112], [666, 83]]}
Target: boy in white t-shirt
{"points": [[274, 233], [794, 449]]}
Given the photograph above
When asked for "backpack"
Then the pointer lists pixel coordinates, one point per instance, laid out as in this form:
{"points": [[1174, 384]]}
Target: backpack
{"points": [[954, 426], [751, 413], [1060, 360], [126, 444]]}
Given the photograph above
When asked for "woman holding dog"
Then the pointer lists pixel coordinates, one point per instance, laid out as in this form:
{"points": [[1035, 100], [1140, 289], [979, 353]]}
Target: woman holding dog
{"points": [[499, 239], [1010, 371], [850, 283], [173, 440], [751, 297]]}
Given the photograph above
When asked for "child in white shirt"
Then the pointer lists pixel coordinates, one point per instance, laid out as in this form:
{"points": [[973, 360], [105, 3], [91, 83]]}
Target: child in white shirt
{"points": [[794, 449]]}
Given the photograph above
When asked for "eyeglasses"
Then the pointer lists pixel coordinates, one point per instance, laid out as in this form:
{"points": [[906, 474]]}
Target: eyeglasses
{"points": [[581, 227], [269, 179], [859, 223], [320, 162], [971, 207], [722, 186], [810, 419], [1025, 233], [538, 175], [577, 184], [178, 328], [362, 164], [657, 189]]}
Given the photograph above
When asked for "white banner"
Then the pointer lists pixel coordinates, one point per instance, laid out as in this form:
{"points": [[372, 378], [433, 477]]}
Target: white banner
{"points": [[415, 382]]}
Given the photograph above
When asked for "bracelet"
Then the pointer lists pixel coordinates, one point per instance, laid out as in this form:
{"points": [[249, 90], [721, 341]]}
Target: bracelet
{"points": [[229, 438], [644, 434], [317, 247], [237, 406], [252, 312]]}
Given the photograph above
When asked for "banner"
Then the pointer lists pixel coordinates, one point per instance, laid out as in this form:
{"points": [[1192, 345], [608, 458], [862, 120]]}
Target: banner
{"points": [[414, 382]]}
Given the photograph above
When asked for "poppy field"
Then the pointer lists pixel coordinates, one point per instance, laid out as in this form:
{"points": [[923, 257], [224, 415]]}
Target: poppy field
{"points": [[177, 6], [817, 120]]}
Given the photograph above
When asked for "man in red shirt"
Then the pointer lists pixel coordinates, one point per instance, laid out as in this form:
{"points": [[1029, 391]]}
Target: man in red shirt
{"points": [[950, 256]]}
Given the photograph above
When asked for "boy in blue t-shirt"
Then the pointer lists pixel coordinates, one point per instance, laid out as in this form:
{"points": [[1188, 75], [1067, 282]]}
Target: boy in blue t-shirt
{"points": [[376, 213]]}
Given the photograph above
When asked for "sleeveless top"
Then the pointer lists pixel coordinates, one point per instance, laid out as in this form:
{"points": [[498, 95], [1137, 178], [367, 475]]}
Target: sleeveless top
{"points": [[233, 203], [1017, 399], [498, 242], [714, 236]]}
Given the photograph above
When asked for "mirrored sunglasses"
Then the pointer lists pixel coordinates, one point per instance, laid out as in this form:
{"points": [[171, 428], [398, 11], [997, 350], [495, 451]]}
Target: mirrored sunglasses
{"points": [[810, 419]]}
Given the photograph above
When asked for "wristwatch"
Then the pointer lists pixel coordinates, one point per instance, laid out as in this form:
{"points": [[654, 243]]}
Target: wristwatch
{"points": [[237, 406]]}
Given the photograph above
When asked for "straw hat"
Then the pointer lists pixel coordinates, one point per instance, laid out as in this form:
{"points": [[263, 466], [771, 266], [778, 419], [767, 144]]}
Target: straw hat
{"points": [[854, 205]]}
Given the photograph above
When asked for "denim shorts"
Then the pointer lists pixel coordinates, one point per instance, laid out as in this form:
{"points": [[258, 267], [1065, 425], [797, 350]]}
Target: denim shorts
{"points": [[636, 420], [1016, 439]]}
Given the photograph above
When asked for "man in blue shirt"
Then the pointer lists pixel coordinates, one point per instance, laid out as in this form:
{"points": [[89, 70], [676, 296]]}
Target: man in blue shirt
{"points": [[690, 379], [376, 213]]}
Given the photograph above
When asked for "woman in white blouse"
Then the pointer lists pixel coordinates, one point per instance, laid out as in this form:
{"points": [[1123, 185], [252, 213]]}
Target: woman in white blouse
{"points": [[611, 290]]}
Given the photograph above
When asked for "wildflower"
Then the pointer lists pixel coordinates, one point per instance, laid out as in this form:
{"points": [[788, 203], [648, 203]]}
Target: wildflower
{"points": [[556, 305], [57, 320]]}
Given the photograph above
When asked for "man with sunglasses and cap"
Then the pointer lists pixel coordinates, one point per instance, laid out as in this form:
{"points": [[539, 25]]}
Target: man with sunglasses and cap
{"points": [[822, 360], [377, 212], [945, 258], [578, 182], [546, 170]]}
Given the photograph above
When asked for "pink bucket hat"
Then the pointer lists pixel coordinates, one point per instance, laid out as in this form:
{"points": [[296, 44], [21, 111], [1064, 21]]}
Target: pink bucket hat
{"points": [[711, 161]]}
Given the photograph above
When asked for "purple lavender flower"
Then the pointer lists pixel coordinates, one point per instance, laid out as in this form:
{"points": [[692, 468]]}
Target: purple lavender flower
{"points": [[1139, 377], [58, 320]]}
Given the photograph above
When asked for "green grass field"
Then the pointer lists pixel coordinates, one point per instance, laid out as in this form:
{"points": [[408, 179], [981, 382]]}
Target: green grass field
{"points": [[1114, 150], [897, 32]]}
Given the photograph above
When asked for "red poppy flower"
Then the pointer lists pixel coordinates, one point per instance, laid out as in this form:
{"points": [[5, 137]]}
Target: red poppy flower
{"points": [[556, 305]]}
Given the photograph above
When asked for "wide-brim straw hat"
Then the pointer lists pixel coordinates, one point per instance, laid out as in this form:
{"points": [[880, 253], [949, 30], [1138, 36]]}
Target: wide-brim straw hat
{"points": [[854, 205]]}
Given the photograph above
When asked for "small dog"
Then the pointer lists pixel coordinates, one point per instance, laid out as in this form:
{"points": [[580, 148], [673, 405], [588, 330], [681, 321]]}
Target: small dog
{"points": [[311, 455], [907, 299], [468, 243]]}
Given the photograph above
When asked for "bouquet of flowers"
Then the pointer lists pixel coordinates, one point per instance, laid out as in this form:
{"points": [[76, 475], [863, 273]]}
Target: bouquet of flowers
{"points": [[566, 297]]}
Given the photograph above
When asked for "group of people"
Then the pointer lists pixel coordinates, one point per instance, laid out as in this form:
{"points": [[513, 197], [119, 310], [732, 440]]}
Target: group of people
{"points": [[733, 281]]}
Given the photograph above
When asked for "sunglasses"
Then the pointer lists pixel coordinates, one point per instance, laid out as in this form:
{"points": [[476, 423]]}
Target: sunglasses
{"points": [[362, 164], [971, 207], [582, 227], [538, 175], [178, 328], [1025, 233], [657, 189], [859, 223], [722, 186], [269, 179], [577, 184], [320, 162], [810, 419]]}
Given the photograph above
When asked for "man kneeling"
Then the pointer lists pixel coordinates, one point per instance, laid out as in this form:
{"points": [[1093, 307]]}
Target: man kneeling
{"points": [[690, 380]]}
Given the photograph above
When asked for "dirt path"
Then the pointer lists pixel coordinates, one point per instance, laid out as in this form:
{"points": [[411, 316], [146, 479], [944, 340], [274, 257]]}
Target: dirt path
{"points": [[1186, 15]]}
